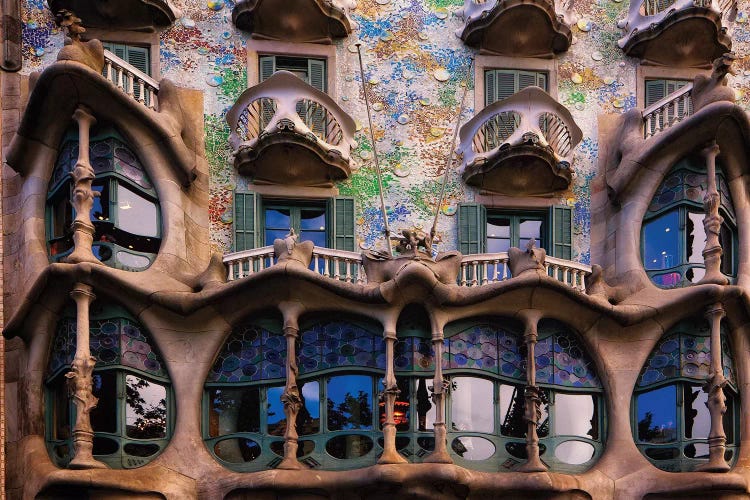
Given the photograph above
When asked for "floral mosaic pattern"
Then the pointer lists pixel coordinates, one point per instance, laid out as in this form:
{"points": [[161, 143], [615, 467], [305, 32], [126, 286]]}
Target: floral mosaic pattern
{"points": [[413, 354], [116, 341], [251, 353], [561, 360], [683, 355], [339, 344]]}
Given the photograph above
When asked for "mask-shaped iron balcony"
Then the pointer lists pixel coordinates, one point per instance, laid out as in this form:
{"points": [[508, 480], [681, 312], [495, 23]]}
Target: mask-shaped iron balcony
{"points": [[520, 146]]}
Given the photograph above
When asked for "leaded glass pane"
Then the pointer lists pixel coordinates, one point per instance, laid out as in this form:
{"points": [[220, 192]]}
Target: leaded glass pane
{"points": [[349, 402]]}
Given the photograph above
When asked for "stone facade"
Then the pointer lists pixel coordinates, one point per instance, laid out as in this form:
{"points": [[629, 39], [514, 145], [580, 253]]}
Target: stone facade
{"points": [[177, 343]]}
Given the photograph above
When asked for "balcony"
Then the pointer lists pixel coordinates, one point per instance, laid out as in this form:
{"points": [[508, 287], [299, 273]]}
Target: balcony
{"points": [[135, 15], [520, 146], [131, 80], [522, 28], [283, 131], [684, 33], [476, 270], [668, 111], [298, 21]]}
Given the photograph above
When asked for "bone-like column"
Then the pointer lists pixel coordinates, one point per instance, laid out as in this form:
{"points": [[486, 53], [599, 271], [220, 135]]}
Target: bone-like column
{"points": [[712, 221], [716, 404], [390, 394], [80, 383], [532, 395], [439, 390], [292, 401], [83, 195]]}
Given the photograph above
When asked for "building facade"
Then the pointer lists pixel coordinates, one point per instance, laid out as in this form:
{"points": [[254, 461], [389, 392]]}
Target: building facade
{"points": [[375, 248]]}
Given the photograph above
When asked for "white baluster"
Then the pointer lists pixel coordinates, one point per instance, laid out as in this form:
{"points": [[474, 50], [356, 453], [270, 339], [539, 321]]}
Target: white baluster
{"points": [[336, 270], [325, 265]]}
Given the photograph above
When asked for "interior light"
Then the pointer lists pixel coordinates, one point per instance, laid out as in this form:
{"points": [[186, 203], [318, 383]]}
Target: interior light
{"points": [[666, 230], [654, 261], [130, 247], [664, 253], [126, 206], [322, 228]]}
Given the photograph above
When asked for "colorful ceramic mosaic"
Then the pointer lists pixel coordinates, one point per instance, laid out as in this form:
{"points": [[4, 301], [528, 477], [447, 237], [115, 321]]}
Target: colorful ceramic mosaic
{"points": [[251, 353], [115, 341], [414, 354], [683, 355], [561, 360]]}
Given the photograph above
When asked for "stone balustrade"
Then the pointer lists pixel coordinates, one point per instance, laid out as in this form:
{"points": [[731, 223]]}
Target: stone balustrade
{"points": [[668, 111], [131, 80]]}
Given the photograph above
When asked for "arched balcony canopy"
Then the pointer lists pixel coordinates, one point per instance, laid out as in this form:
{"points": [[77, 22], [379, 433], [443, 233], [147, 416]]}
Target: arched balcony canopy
{"points": [[520, 146], [136, 15], [284, 131]]}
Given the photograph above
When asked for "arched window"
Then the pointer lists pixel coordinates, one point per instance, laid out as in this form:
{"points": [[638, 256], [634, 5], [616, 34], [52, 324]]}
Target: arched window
{"points": [[485, 362], [126, 212], [132, 420], [340, 366], [673, 236], [671, 420]]}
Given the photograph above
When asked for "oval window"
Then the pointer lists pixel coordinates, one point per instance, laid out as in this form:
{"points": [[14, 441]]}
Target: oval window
{"points": [[133, 260], [662, 453], [105, 446], [141, 449], [349, 446], [473, 448], [426, 443], [237, 450], [304, 447], [574, 452]]}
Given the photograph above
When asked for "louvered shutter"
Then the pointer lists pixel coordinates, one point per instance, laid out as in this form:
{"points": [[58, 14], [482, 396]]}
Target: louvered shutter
{"points": [[527, 79], [341, 210], [506, 84], [655, 91], [541, 81], [316, 114], [316, 73], [245, 218], [472, 228], [267, 67], [561, 229], [490, 89], [139, 57]]}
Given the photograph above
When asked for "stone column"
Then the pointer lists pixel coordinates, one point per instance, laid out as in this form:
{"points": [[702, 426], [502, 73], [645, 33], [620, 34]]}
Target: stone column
{"points": [[712, 221], [390, 394], [292, 401], [716, 404], [439, 389], [80, 383], [532, 395], [83, 195]]}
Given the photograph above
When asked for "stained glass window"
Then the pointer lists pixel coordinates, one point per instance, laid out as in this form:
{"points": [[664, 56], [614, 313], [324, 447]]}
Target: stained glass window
{"points": [[126, 212], [672, 421], [131, 422], [673, 236], [251, 353]]}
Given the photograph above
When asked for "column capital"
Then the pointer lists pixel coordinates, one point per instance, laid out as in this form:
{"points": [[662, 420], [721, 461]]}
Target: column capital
{"points": [[715, 311], [711, 150], [82, 290]]}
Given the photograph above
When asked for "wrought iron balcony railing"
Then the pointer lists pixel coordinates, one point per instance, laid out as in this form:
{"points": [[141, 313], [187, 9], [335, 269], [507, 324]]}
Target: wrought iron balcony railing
{"points": [[284, 109], [131, 80], [522, 145], [476, 270]]}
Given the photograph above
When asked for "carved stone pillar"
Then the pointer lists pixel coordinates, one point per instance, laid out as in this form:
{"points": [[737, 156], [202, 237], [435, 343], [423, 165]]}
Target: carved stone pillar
{"points": [[390, 394], [712, 221], [80, 383], [716, 404], [439, 389], [532, 395], [83, 195], [292, 402]]}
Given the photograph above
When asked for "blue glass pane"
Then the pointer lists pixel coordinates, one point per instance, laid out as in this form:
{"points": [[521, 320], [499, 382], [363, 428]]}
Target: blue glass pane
{"points": [[667, 280], [661, 241], [350, 402], [276, 420], [338, 344], [314, 219], [657, 415], [100, 209], [251, 353], [278, 219], [318, 238], [273, 234], [497, 245]]}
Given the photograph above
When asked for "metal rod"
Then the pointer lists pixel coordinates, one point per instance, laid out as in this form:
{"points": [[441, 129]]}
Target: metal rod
{"points": [[375, 155], [451, 148]]}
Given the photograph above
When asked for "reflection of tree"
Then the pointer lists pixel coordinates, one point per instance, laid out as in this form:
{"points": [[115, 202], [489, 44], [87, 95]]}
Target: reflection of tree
{"points": [[352, 413], [151, 422], [653, 433]]}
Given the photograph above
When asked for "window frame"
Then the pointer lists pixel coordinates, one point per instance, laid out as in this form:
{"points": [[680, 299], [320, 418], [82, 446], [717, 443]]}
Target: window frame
{"points": [[647, 72], [515, 217], [483, 63], [295, 207], [149, 41]]}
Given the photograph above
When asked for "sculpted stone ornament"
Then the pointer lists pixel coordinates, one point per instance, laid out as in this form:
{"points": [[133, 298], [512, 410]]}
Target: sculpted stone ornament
{"points": [[530, 260], [292, 402], [90, 53], [532, 415], [708, 89], [712, 221], [288, 250], [439, 388]]}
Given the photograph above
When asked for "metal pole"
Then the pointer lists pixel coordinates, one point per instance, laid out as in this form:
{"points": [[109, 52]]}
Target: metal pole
{"points": [[375, 155], [449, 161]]}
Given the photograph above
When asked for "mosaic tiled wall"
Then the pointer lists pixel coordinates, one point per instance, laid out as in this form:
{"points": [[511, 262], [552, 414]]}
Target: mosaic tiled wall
{"points": [[415, 67]]}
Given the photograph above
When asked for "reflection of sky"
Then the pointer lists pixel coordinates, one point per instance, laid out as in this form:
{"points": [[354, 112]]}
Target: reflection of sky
{"points": [[339, 386], [660, 241], [472, 402], [275, 406], [151, 394], [573, 414], [311, 393], [662, 403]]}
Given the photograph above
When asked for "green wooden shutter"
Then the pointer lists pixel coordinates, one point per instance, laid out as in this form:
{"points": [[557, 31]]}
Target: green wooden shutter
{"points": [[561, 229], [527, 79], [245, 220], [267, 67], [472, 228], [490, 89], [139, 57], [316, 74], [541, 80], [656, 90], [506, 81], [341, 211]]}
